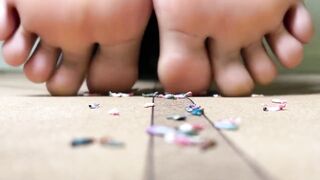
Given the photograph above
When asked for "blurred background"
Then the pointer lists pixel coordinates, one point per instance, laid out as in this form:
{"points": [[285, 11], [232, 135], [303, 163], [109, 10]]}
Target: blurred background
{"points": [[310, 65]]}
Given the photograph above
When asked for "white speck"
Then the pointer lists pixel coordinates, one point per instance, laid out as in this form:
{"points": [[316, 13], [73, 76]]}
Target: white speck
{"points": [[149, 105], [119, 94], [94, 106]]}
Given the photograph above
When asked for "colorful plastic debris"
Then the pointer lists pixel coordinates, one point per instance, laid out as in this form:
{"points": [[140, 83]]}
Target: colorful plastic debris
{"points": [[94, 106], [257, 95], [169, 96], [150, 94], [277, 105], [177, 117], [216, 95], [187, 141], [230, 124], [87, 93], [183, 135], [195, 110], [149, 105], [114, 112], [112, 94], [183, 96], [189, 129], [207, 144], [274, 108], [159, 130], [107, 141], [192, 107], [279, 101], [175, 96], [82, 142]]}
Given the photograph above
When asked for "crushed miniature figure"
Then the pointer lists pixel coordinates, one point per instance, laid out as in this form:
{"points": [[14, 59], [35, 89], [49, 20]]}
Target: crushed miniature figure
{"points": [[201, 42]]}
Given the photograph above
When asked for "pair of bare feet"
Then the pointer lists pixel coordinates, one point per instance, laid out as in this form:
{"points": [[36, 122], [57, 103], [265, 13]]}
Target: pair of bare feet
{"points": [[201, 41]]}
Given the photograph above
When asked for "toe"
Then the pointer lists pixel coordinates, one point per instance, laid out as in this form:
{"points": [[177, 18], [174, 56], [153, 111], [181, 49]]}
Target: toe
{"points": [[287, 48], [69, 75], [8, 21], [259, 64], [16, 50], [114, 67], [230, 74], [299, 23], [184, 64], [41, 65]]}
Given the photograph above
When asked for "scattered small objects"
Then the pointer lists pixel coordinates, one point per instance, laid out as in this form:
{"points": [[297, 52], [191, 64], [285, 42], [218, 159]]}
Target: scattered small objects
{"points": [[257, 95], [169, 96], [191, 107], [195, 110], [177, 117], [274, 108], [216, 95], [175, 96], [150, 94], [279, 101], [106, 141], [190, 129], [87, 93], [185, 135], [230, 124], [82, 142], [114, 112], [159, 130], [112, 94], [277, 105], [187, 141], [183, 96], [207, 144], [94, 106], [149, 105]]}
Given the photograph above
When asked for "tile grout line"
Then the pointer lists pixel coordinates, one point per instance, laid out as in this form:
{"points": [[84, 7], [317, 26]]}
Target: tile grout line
{"points": [[149, 172], [256, 169]]}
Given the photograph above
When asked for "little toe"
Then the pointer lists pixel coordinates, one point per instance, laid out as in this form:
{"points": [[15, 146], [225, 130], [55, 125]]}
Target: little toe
{"points": [[70, 73], [114, 67], [17, 48], [287, 48], [259, 64], [230, 74], [184, 64], [299, 23], [42, 63], [8, 20]]}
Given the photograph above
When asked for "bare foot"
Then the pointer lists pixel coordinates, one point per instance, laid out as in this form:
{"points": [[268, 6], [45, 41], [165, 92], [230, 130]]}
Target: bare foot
{"points": [[98, 40], [217, 40]]}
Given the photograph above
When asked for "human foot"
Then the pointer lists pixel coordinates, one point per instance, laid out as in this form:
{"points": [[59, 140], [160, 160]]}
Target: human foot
{"points": [[221, 40], [70, 33]]}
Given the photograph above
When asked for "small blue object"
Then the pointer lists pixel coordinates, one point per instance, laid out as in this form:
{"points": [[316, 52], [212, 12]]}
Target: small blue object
{"points": [[197, 112], [226, 125], [81, 142], [191, 107]]}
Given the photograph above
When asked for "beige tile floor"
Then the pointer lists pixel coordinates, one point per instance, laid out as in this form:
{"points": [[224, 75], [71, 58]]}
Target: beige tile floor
{"points": [[36, 129]]}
